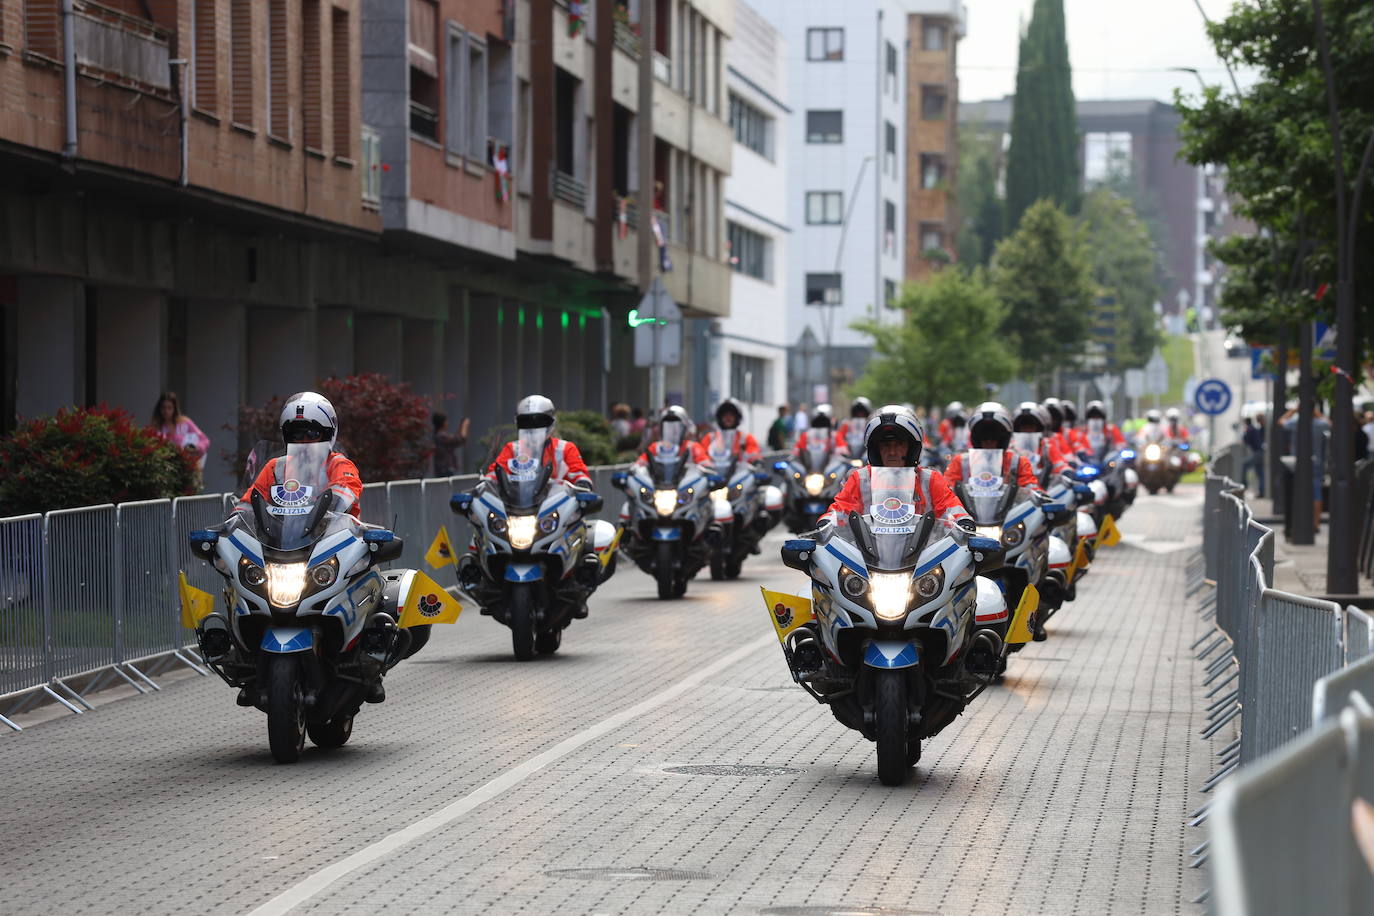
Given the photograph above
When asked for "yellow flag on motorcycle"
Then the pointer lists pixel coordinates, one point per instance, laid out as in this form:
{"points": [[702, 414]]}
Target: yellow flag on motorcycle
{"points": [[440, 553], [427, 602], [1080, 562], [1019, 631], [787, 611], [1108, 535], [196, 605]]}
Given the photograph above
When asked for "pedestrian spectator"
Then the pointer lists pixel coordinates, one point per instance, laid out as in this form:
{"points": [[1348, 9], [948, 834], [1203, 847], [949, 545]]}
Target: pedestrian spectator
{"points": [[1368, 427], [620, 422], [777, 433], [446, 444], [1253, 437], [801, 421], [1321, 429], [1362, 823], [637, 421], [181, 431], [1361, 440]]}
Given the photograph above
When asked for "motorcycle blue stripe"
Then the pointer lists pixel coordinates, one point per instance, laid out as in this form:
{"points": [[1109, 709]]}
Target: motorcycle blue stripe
{"points": [[922, 570], [331, 551], [846, 561], [524, 572], [285, 640], [243, 549], [554, 507], [490, 508], [890, 655]]}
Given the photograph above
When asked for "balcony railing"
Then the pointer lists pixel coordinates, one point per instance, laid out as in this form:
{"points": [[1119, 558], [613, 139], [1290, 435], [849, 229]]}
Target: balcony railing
{"points": [[663, 69], [625, 38], [569, 190], [122, 47], [424, 120]]}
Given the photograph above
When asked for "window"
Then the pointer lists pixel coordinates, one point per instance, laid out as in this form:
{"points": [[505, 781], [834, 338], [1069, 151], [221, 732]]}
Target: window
{"points": [[203, 55], [312, 117], [932, 171], [933, 36], [43, 28], [340, 46], [749, 378], [501, 96], [455, 125], [753, 128], [1105, 154], [890, 148], [932, 103], [824, 126], [932, 237], [823, 289], [241, 60], [889, 294], [475, 107], [423, 54], [889, 227], [825, 44], [824, 208], [750, 252], [565, 122], [278, 72], [372, 166], [890, 75]]}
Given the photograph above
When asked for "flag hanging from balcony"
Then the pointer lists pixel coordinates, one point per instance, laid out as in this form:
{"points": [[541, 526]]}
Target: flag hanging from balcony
{"points": [[577, 17], [665, 263], [500, 163]]}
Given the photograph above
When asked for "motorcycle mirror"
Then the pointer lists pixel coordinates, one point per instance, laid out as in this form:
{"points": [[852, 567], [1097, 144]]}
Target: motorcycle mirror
{"points": [[779, 465], [384, 545], [618, 479], [460, 503], [715, 480], [590, 503], [796, 553], [762, 477], [988, 553], [203, 542]]}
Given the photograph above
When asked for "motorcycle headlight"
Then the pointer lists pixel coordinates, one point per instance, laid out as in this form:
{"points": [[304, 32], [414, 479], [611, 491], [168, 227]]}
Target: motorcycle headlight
{"points": [[890, 594], [665, 501], [815, 483], [1152, 452], [852, 584], [323, 575], [721, 494], [989, 531], [285, 582], [549, 523], [522, 528], [497, 523], [930, 585], [1014, 535], [252, 574]]}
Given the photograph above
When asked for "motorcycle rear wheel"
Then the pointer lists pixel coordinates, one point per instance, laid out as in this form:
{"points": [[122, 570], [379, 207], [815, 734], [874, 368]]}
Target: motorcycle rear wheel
{"points": [[285, 709], [334, 733], [547, 643], [663, 572], [522, 624], [732, 568], [890, 723]]}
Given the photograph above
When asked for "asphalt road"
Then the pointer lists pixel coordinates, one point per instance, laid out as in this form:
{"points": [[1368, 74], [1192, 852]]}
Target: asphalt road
{"points": [[488, 785]]}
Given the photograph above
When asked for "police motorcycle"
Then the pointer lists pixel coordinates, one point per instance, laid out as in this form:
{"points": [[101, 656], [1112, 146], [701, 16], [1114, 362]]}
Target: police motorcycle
{"points": [[957, 418], [1107, 465], [537, 557], [812, 478], [310, 625], [745, 506], [1157, 461], [902, 631], [668, 509]]}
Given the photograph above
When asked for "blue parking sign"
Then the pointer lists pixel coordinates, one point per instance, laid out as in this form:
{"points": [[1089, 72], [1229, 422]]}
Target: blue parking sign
{"points": [[1212, 397]]}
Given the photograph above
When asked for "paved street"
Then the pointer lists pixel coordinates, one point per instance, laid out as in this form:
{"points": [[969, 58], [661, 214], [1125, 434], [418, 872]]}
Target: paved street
{"points": [[487, 785]]}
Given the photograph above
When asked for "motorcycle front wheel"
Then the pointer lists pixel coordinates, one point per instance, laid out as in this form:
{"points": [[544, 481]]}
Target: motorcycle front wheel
{"points": [[664, 573], [890, 723], [522, 623], [285, 709]]}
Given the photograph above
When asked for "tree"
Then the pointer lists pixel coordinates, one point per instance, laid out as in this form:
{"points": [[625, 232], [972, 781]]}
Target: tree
{"points": [[1121, 258], [1041, 276], [980, 209], [1042, 161], [946, 347]]}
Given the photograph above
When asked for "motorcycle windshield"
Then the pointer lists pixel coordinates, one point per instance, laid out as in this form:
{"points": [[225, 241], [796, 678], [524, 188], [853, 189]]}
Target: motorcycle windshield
{"points": [[985, 485], [295, 514], [854, 438], [959, 438], [818, 447], [1027, 445], [528, 473], [724, 446], [893, 523]]}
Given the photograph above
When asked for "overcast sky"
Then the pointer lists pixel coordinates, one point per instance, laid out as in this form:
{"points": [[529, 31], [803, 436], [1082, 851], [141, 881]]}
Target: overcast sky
{"points": [[1119, 49]]}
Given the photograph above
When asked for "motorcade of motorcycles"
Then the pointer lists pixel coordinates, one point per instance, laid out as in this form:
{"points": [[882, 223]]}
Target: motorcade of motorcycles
{"points": [[744, 507], [669, 504], [311, 624], [902, 630], [811, 479], [538, 557]]}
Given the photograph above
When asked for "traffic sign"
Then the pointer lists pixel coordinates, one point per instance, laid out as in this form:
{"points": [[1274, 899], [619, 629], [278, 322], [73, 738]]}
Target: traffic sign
{"points": [[1106, 383], [1135, 382], [1156, 374], [1212, 397], [657, 327]]}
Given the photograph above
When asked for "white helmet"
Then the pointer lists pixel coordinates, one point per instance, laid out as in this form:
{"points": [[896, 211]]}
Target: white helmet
{"points": [[535, 412], [1029, 413], [954, 411], [861, 407], [1152, 416], [823, 415], [1173, 415], [990, 421], [309, 417], [894, 422]]}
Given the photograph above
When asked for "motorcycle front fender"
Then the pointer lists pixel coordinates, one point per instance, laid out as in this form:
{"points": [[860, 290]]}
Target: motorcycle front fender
{"points": [[891, 654], [524, 572], [287, 640]]}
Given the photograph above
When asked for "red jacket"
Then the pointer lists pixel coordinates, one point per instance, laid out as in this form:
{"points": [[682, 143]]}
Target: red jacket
{"points": [[1025, 474], [565, 457], [746, 444], [837, 443], [849, 426], [1078, 438], [344, 482], [1057, 454], [694, 450], [1178, 433], [946, 505]]}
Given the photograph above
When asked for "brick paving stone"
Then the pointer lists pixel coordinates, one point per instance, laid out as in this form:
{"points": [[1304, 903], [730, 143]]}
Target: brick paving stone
{"points": [[1065, 790]]}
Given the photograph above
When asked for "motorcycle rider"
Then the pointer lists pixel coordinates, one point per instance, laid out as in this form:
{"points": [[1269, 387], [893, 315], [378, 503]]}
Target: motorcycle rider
{"points": [[728, 417], [851, 431], [1174, 426], [893, 439], [536, 412], [676, 431], [1070, 415], [822, 424], [990, 427], [954, 428], [1030, 437], [1096, 435], [1054, 430], [305, 418], [1152, 431]]}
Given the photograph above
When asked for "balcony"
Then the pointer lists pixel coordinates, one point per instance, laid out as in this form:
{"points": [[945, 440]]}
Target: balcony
{"points": [[569, 190], [663, 69], [121, 48], [424, 121], [626, 38]]}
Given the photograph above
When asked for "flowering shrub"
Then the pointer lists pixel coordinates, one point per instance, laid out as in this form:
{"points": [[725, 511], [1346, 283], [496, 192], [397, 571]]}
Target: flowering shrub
{"points": [[384, 427], [88, 456]]}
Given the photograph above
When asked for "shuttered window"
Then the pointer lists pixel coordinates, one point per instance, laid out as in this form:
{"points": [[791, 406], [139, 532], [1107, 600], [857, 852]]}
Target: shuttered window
{"points": [[241, 60], [312, 82], [204, 49], [278, 71], [43, 28], [340, 47]]}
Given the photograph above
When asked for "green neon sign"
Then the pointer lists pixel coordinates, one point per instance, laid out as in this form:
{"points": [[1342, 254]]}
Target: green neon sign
{"points": [[635, 321]]}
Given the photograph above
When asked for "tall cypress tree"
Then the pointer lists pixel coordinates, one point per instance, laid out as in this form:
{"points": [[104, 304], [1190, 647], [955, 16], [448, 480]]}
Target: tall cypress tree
{"points": [[1042, 161]]}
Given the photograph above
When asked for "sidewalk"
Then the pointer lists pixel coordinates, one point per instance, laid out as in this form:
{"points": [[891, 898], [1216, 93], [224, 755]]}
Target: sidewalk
{"points": [[1298, 568]]}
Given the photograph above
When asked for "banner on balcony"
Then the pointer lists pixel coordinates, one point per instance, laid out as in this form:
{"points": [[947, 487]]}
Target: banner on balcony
{"points": [[577, 17], [500, 163]]}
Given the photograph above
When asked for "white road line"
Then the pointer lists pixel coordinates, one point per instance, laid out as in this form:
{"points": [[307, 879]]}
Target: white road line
{"points": [[322, 879]]}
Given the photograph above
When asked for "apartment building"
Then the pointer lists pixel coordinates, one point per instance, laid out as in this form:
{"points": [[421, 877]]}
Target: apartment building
{"points": [[749, 348], [847, 178], [934, 28]]}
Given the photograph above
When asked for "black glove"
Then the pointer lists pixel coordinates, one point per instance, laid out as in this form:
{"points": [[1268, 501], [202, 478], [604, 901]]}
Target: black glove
{"points": [[584, 486], [968, 525]]}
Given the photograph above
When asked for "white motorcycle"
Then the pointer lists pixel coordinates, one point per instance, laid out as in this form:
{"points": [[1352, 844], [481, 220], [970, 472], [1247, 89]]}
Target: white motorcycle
{"points": [[669, 512], [537, 558], [310, 623], [745, 507], [811, 480], [901, 633]]}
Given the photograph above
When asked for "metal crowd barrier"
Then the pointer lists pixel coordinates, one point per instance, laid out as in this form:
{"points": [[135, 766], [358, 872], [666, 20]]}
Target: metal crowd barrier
{"points": [[1282, 667]]}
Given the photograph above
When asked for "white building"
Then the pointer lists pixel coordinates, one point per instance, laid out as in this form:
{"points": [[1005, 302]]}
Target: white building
{"points": [[749, 353], [846, 177]]}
